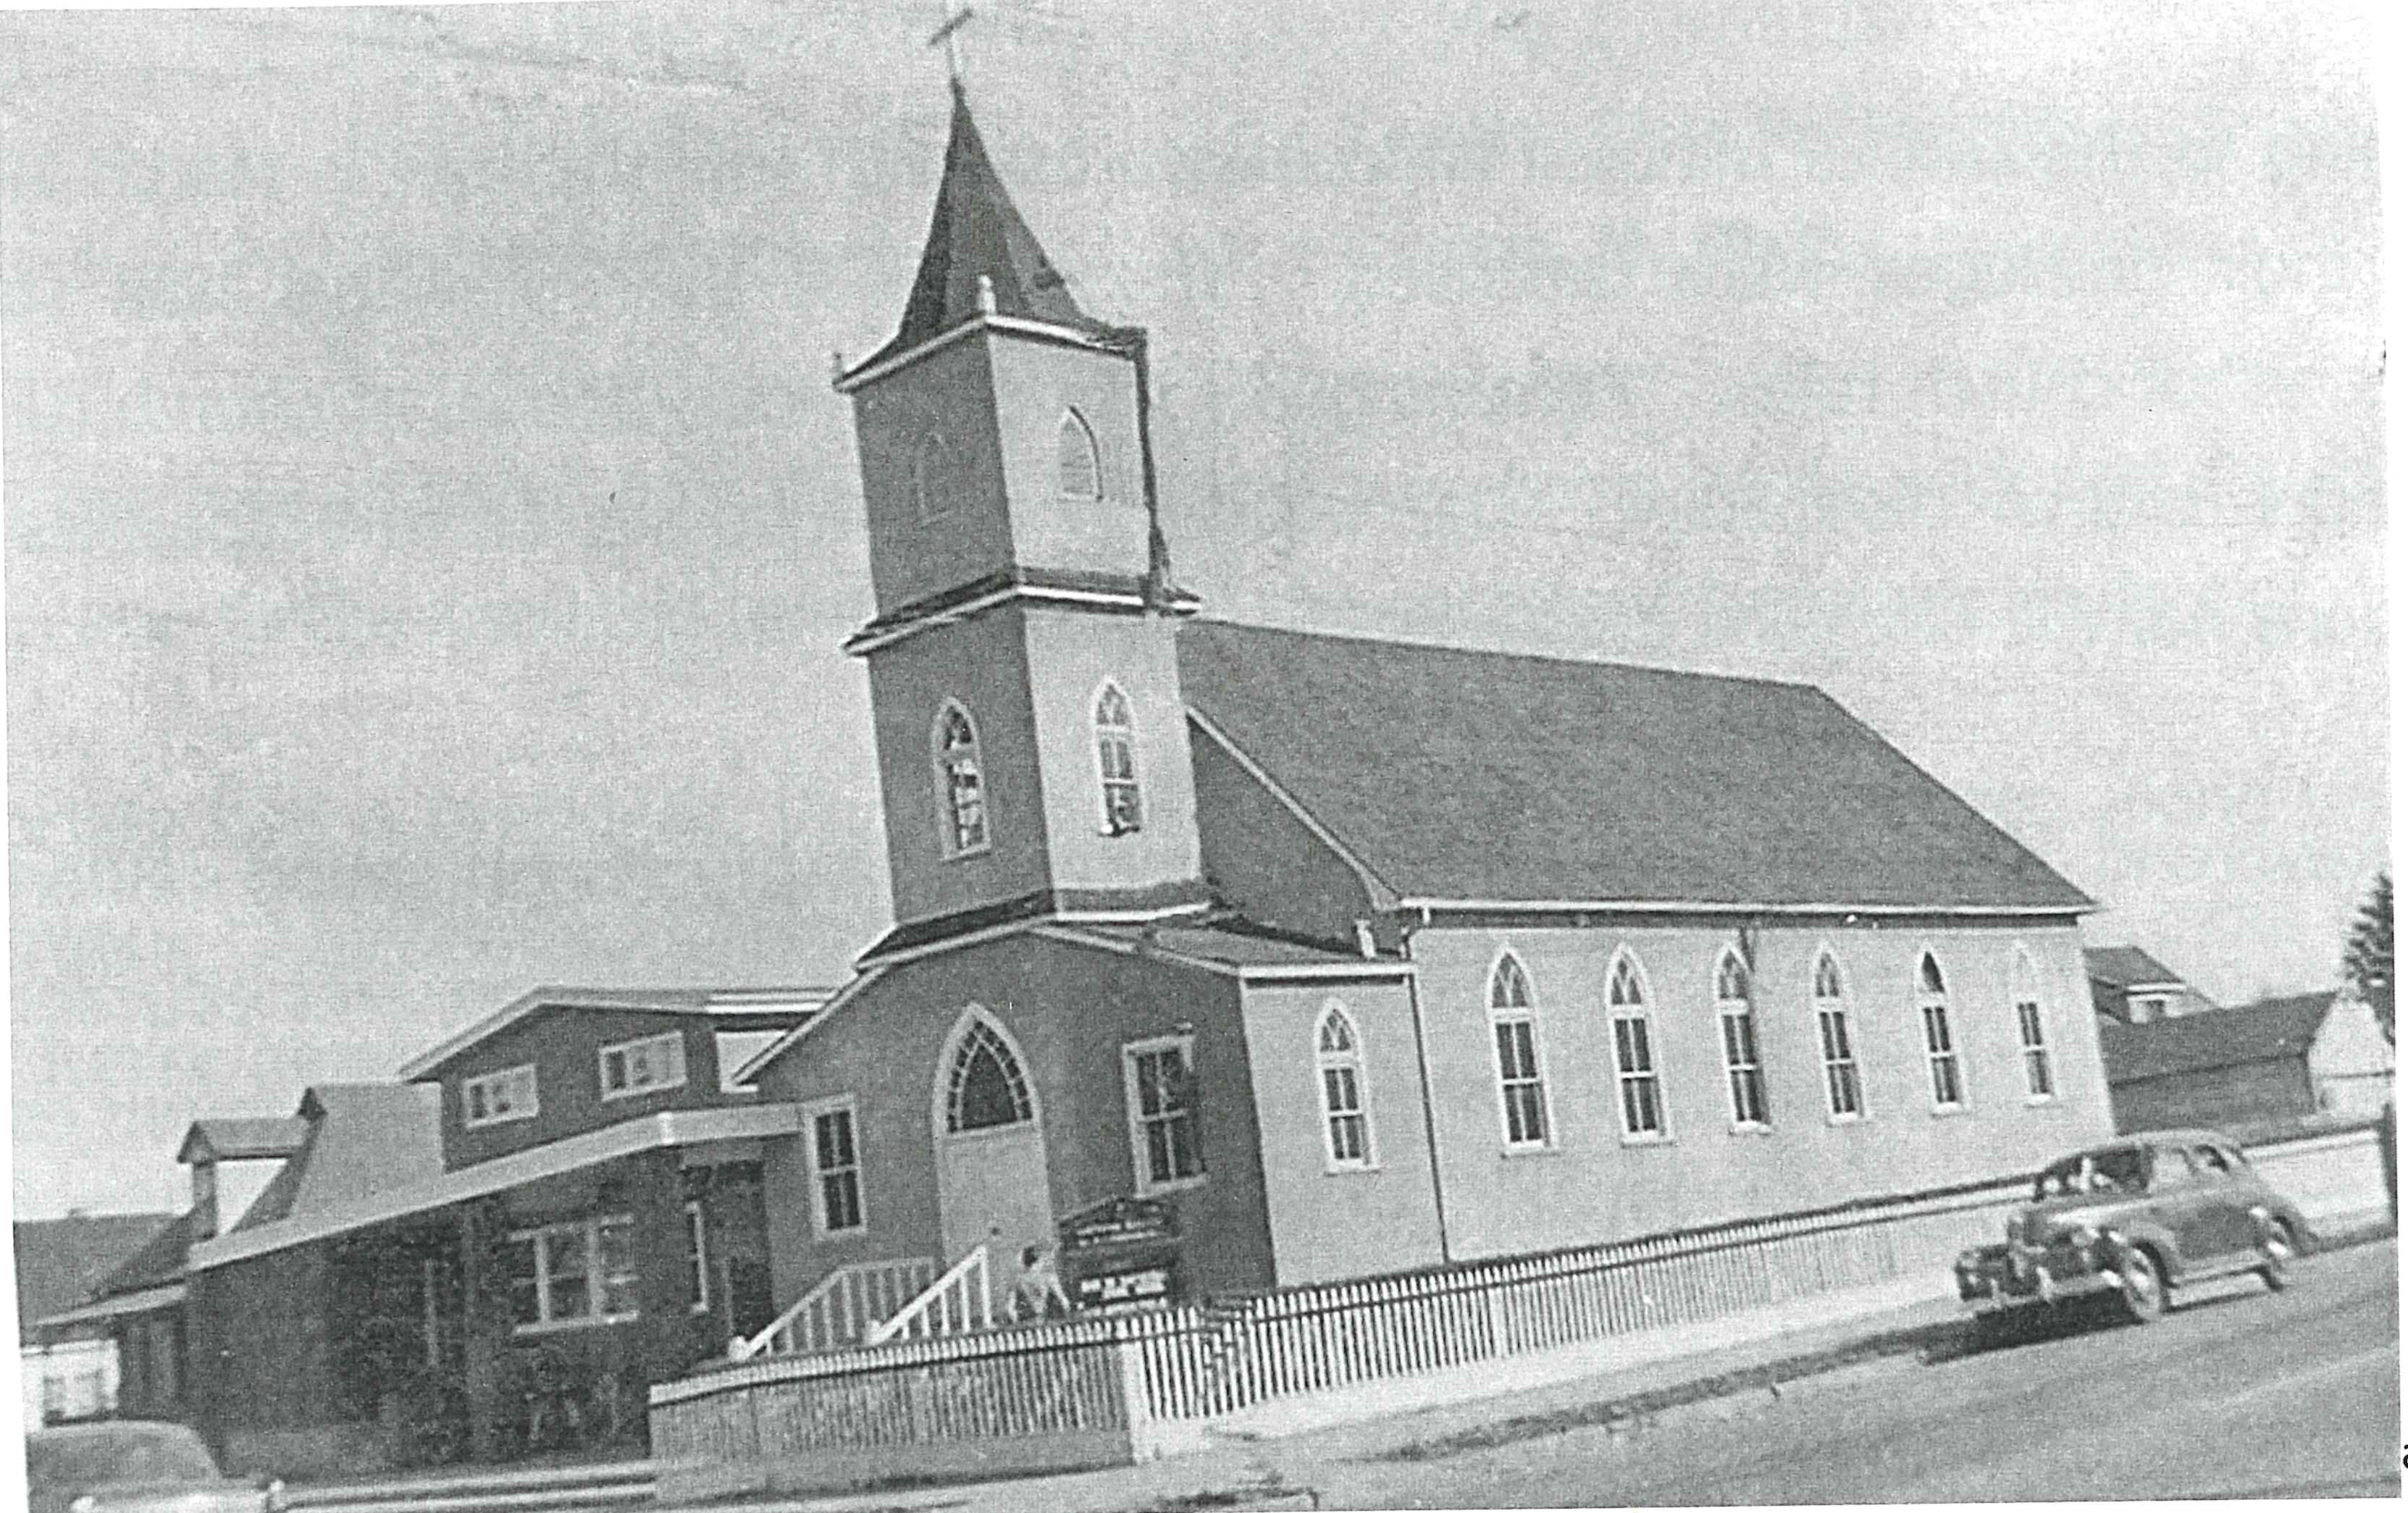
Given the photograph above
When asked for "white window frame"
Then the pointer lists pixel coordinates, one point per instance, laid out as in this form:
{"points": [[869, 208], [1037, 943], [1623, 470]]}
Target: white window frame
{"points": [[698, 1254], [950, 808], [1350, 1063], [1526, 1015], [647, 1047], [975, 1021], [1932, 1009], [588, 1233], [1184, 1046], [1828, 1010], [1074, 428], [1651, 1076], [1735, 1072], [849, 1110], [477, 1111], [2031, 1028], [1116, 740]]}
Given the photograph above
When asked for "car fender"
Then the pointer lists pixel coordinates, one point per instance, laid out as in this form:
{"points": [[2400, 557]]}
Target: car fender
{"points": [[2139, 1232]]}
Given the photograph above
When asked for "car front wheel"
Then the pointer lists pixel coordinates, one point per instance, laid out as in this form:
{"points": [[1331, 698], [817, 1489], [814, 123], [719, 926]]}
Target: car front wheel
{"points": [[2281, 1247], [2143, 1285]]}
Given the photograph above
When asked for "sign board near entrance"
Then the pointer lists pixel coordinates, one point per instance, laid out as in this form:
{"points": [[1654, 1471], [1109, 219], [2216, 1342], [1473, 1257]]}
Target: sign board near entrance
{"points": [[1118, 1221]]}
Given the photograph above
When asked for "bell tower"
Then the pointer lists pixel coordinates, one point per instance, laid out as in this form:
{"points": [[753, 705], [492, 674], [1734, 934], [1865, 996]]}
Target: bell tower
{"points": [[1032, 742]]}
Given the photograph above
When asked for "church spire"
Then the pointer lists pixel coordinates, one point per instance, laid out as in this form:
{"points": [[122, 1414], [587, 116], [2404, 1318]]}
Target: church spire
{"points": [[981, 257]]}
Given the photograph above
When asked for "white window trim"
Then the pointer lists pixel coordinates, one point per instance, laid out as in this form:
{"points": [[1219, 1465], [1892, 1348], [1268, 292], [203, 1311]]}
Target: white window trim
{"points": [[940, 1106], [596, 1283], [1086, 434], [1645, 1012], [1548, 1136], [942, 777], [627, 1048], [1844, 1005], [1355, 1060], [1134, 782], [1185, 1045], [1743, 1007], [1946, 1000], [534, 1106], [2024, 971], [850, 1107], [698, 1236]]}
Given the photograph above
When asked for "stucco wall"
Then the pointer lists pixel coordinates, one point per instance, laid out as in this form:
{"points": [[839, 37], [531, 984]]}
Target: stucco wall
{"points": [[1034, 382], [1070, 1010], [1328, 1223], [952, 392], [1590, 1184]]}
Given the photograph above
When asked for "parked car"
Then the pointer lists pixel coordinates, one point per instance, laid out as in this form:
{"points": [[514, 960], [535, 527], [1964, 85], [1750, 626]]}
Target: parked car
{"points": [[2136, 1219], [128, 1465]]}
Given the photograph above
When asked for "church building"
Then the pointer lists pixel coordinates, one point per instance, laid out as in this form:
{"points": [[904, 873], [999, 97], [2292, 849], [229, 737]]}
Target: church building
{"points": [[1336, 956]]}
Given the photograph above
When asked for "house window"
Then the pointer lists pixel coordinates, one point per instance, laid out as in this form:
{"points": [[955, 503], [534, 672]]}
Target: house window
{"points": [[1841, 1092], [1082, 466], [574, 1275], [698, 1256], [498, 1098], [1337, 1057], [1743, 1067], [987, 1089], [1634, 1052], [1116, 763], [836, 1169], [1522, 1087], [1162, 1113], [2031, 1028], [1939, 1040], [652, 1064], [961, 783]]}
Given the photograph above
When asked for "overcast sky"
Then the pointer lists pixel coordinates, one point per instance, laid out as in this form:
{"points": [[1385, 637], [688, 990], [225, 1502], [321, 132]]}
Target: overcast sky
{"points": [[429, 528]]}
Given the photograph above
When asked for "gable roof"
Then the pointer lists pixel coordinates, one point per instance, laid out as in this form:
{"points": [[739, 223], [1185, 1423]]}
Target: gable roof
{"points": [[363, 1138], [2276, 1029], [977, 232], [60, 1261], [241, 1140], [734, 1008], [2127, 966], [1455, 775], [158, 1263]]}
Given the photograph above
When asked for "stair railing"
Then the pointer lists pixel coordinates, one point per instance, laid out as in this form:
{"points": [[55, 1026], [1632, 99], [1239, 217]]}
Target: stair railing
{"points": [[845, 1305], [958, 1303]]}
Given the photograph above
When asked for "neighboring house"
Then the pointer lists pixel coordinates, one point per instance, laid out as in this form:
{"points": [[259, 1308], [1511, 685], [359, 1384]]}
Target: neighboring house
{"points": [[1349, 955], [2131, 986], [139, 1306], [561, 1205], [2282, 1058], [68, 1371]]}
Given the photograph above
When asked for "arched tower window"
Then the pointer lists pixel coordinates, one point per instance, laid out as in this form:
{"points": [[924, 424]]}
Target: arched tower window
{"points": [[984, 1086], [1520, 1086], [2031, 1030], [1634, 1051], [932, 477], [1082, 466], [1337, 1057], [1844, 1094], [1939, 1036], [1735, 1008], [1124, 811], [961, 783]]}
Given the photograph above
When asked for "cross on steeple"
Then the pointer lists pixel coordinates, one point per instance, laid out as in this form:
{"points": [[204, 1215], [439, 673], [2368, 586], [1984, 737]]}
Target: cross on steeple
{"points": [[954, 21]]}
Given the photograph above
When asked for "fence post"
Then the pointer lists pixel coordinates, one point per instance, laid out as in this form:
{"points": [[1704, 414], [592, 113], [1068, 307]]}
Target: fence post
{"points": [[1136, 1403]]}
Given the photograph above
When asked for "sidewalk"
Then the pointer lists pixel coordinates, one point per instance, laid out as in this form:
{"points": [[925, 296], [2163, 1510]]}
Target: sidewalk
{"points": [[1280, 1470]]}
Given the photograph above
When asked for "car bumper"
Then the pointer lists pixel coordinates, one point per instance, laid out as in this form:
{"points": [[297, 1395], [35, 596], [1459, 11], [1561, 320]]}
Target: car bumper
{"points": [[1997, 1278]]}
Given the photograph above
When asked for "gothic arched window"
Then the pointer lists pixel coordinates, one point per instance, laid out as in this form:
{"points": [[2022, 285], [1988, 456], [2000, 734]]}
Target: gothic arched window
{"points": [[961, 783], [1520, 1086], [1735, 1007], [1124, 813], [984, 1087], [1842, 1090], [1939, 1036], [1634, 1051], [1082, 466], [932, 477], [1337, 1057]]}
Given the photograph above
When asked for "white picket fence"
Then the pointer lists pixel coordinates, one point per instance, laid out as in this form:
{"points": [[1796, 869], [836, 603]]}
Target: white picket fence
{"points": [[1106, 1389]]}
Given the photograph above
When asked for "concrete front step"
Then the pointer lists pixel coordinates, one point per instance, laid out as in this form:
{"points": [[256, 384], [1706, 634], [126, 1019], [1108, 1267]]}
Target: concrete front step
{"points": [[598, 1485]]}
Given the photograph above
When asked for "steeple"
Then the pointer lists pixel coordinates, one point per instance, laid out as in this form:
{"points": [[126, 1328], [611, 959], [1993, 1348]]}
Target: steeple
{"points": [[980, 258]]}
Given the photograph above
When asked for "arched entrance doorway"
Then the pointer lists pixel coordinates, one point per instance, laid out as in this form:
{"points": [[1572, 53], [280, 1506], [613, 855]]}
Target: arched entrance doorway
{"points": [[990, 1139]]}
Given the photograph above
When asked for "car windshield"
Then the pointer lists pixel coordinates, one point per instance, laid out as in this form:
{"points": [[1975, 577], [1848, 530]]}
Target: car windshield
{"points": [[2122, 1168], [116, 1455]]}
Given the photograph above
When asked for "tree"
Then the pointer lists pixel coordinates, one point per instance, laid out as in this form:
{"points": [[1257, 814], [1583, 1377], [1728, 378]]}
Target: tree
{"points": [[2366, 960]]}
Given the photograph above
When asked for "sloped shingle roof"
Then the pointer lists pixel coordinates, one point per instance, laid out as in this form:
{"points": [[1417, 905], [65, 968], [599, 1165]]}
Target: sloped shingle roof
{"points": [[60, 1261], [2125, 966], [159, 1261], [2271, 1030], [240, 1140], [1476, 775], [363, 1138]]}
